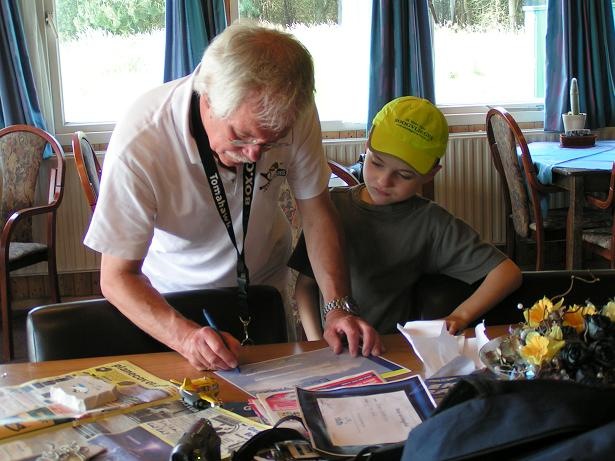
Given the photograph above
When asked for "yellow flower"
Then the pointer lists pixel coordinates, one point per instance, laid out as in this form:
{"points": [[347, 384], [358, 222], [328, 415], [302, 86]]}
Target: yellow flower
{"points": [[609, 310], [540, 311], [555, 333], [574, 316], [553, 348], [536, 348]]}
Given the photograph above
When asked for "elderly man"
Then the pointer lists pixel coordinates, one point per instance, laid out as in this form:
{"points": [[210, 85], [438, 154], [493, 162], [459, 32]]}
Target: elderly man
{"points": [[190, 163]]}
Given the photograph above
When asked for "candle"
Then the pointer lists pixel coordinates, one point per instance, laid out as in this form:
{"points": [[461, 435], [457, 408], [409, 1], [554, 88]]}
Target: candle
{"points": [[574, 97]]}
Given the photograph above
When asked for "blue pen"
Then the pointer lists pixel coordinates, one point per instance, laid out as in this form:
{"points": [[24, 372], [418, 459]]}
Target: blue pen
{"points": [[213, 326]]}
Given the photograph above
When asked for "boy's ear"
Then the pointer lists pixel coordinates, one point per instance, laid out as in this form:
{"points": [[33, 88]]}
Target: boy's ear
{"points": [[432, 173]]}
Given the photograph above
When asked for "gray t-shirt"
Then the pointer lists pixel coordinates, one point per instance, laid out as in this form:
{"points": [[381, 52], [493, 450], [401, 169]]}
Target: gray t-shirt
{"points": [[388, 247]]}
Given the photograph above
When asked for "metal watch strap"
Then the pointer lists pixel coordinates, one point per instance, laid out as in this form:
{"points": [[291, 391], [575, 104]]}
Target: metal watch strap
{"points": [[345, 303]]}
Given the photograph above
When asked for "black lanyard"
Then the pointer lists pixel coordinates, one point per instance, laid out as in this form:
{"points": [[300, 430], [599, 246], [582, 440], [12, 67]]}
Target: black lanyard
{"points": [[217, 191]]}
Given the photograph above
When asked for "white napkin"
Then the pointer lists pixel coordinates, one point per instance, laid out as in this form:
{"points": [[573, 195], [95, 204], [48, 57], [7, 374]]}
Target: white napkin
{"points": [[443, 354]]}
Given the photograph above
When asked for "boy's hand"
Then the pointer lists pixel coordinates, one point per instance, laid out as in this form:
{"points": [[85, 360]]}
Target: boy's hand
{"points": [[455, 324], [340, 325]]}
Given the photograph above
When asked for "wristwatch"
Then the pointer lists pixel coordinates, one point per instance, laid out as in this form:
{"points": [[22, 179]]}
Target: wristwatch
{"points": [[345, 303]]}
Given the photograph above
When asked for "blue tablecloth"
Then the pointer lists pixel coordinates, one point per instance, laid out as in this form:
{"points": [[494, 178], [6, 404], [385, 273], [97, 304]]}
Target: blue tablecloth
{"points": [[547, 155]]}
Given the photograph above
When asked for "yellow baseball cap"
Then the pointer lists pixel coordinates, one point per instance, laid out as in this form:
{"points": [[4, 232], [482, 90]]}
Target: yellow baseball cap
{"points": [[412, 129]]}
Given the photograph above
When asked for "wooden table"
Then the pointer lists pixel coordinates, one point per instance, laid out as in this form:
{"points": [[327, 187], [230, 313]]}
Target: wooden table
{"points": [[578, 171], [578, 182], [172, 365]]}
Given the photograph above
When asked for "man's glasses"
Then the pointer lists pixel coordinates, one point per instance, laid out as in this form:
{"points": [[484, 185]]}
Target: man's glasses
{"points": [[263, 145]]}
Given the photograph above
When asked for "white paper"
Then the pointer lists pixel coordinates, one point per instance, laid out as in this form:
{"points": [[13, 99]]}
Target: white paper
{"points": [[368, 420], [443, 354]]}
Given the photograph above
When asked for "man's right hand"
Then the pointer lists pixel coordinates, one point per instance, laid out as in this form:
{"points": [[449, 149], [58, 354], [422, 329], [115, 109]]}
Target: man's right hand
{"points": [[205, 349], [358, 333]]}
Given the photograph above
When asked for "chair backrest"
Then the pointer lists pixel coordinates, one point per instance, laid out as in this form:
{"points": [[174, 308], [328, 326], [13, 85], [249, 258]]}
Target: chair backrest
{"points": [[94, 328], [88, 167], [21, 156], [343, 173], [504, 135], [432, 302]]}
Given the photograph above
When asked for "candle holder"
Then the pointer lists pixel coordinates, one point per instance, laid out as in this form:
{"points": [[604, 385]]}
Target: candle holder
{"points": [[573, 122]]}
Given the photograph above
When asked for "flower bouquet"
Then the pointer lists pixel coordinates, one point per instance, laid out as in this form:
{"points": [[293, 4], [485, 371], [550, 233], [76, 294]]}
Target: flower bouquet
{"points": [[557, 341]]}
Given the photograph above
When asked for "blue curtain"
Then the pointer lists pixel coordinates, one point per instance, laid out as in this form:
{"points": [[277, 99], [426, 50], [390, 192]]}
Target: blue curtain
{"points": [[401, 61], [18, 100], [581, 44], [190, 26]]}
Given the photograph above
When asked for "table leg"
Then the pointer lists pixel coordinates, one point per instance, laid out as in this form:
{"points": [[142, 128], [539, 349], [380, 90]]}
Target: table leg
{"points": [[574, 224]]}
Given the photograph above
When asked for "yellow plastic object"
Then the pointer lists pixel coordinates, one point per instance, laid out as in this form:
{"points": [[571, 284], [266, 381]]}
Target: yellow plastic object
{"points": [[199, 392]]}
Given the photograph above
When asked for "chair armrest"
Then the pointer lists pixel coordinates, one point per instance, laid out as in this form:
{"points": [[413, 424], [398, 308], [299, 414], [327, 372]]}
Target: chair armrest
{"points": [[19, 215]]}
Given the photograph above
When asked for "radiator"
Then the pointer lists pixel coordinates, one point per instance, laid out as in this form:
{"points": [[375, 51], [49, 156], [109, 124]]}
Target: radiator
{"points": [[344, 151], [467, 186]]}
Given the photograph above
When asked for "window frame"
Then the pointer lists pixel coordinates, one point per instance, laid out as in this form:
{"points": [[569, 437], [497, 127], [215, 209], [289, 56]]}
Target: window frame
{"points": [[100, 133]]}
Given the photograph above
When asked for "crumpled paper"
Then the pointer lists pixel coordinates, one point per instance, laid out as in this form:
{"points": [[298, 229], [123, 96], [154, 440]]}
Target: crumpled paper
{"points": [[443, 354]]}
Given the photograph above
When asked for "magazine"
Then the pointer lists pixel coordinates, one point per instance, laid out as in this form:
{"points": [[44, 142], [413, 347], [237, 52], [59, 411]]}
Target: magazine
{"points": [[28, 407], [278, 404], [344, 421], [307, 369], [145, 433]]}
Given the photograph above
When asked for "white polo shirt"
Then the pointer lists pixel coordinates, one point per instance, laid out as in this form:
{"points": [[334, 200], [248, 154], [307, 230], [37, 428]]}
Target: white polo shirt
{"points": [[155, 203]]}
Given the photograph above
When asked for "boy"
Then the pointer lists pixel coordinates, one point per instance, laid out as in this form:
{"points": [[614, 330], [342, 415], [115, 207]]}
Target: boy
{"points": [[394, 235]]}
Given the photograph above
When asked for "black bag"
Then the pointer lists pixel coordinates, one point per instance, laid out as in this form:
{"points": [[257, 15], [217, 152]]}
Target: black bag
{"points": [[481, 418], [274, 443]]}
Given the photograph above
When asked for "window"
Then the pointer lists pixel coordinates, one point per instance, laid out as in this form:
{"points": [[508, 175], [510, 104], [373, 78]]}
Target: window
{"points": [[337, 34], [478, 51], [108, 52], [489, 55], [489, 52], [104, 53]]}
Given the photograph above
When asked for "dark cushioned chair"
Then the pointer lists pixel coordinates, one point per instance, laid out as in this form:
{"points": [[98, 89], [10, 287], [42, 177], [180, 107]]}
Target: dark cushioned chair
{"points": [[437, 295], [94, 328]]}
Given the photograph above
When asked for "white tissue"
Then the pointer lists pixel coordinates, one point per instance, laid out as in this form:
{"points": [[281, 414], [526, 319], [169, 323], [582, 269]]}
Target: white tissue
{"points": [[443, 354]]}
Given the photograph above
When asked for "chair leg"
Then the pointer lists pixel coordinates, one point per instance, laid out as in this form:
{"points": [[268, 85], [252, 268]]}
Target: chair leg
{"points": [[511, 236], [52, 273], [539, 252], [7, 320]]}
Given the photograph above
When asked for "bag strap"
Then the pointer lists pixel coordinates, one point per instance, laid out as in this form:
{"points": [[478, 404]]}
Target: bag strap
{"points": [[265, 439]]}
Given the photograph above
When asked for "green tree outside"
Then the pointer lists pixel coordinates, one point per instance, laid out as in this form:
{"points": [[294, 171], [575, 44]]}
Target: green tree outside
{"points": [[117, 17], [289, 12]]}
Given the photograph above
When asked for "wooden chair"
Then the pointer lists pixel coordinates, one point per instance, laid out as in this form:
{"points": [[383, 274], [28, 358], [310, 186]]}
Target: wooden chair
{"points": [[21, 157], [88, 167], [523, 204], [601, 241], [343, 173], [523, 190]]}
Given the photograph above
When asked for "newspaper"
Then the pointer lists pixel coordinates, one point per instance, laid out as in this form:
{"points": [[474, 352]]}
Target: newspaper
{"points": [[27, 407], [145, 433]]}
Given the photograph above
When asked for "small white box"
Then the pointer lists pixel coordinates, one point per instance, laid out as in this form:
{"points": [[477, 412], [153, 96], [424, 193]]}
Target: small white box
{"points": [[83, 393]]}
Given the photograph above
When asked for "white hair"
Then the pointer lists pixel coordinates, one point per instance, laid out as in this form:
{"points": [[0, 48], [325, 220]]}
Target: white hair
{"points": [[250, 61]]}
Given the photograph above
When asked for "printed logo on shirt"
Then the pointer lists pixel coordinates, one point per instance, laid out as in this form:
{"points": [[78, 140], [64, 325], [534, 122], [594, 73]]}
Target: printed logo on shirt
{"points": [[273, 172]]}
